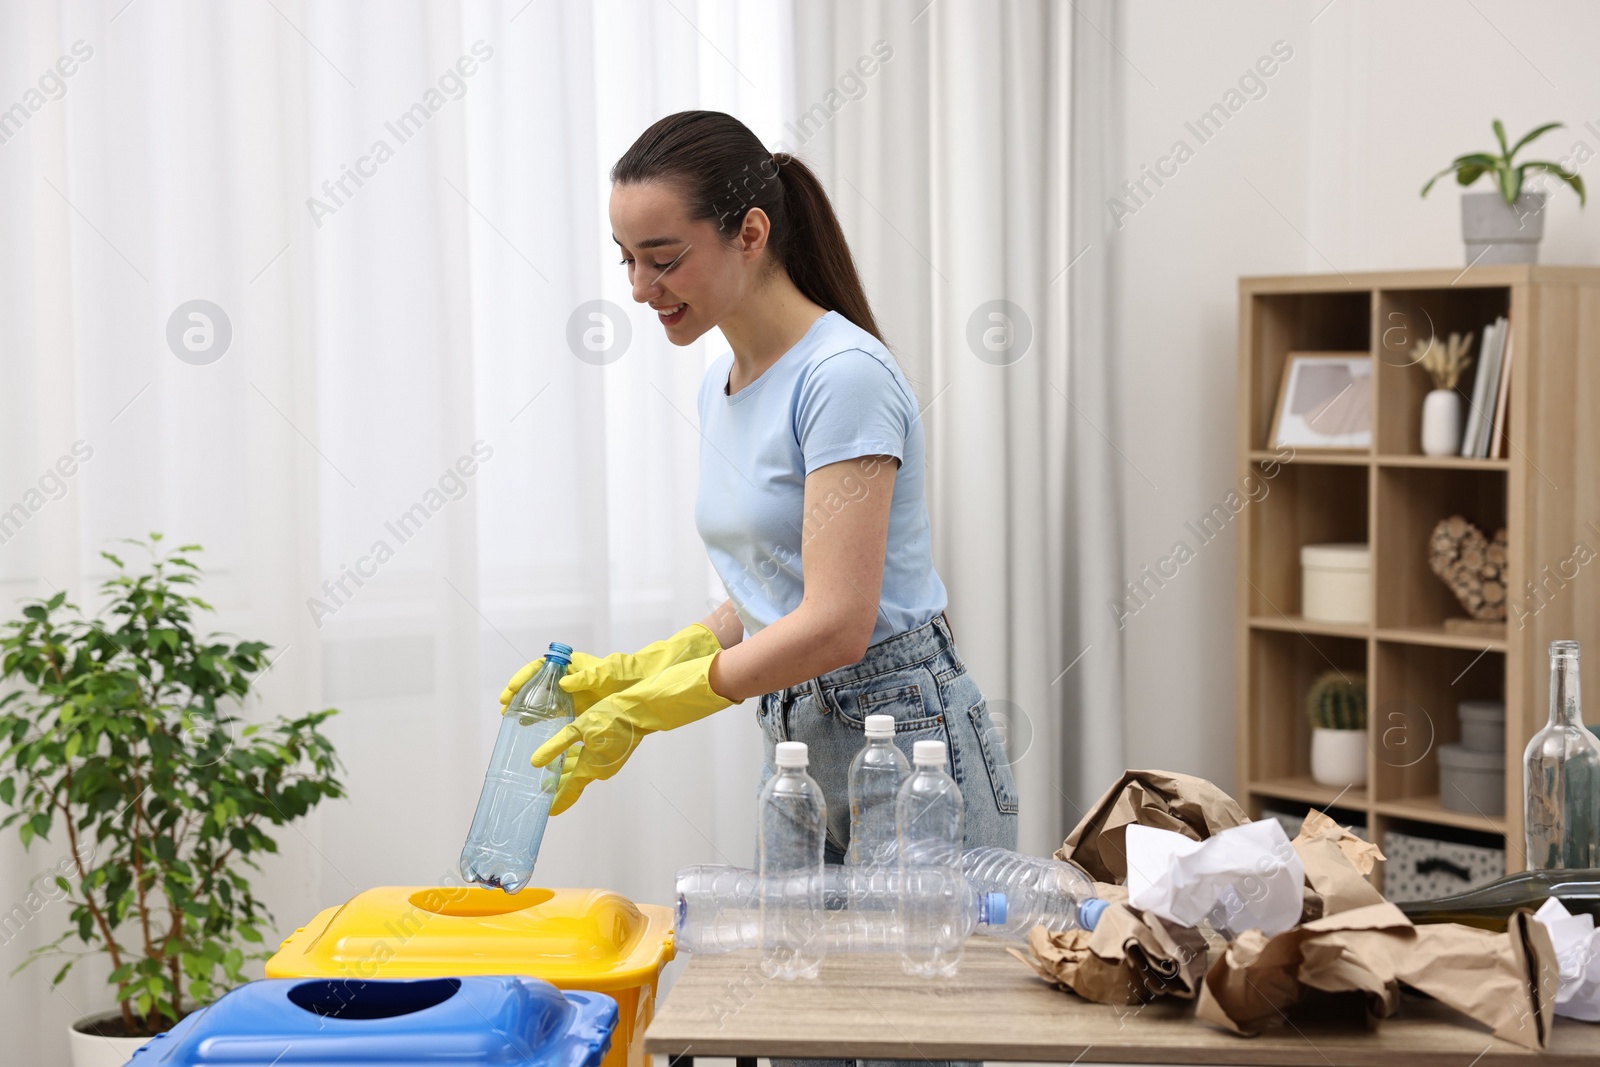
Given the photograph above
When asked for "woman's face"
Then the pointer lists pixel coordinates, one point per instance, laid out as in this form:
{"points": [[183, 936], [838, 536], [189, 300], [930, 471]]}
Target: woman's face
{"points": [[681, 266]]}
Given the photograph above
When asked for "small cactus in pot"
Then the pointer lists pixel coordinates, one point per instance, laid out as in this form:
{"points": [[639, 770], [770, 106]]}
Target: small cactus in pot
{"points": [[1336, 704], [1338, 701]]}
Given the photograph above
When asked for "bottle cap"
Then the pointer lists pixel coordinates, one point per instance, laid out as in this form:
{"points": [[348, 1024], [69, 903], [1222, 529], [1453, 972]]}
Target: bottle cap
{"points": [[561, 652], [880, 725], [992, 909], [1564, 648], [791, 754], [1089, 912], [928, 753]]}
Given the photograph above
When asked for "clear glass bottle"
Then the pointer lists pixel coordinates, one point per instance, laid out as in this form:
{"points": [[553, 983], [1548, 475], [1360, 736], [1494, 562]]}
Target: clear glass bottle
{"points": [[1561, 776], [508, 827]]}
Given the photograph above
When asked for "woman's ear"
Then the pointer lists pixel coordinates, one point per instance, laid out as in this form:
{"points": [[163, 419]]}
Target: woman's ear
{"points": [[754, 231]]}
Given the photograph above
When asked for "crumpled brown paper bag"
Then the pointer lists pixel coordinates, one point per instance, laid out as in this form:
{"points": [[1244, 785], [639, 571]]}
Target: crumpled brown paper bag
{"points": [[1337, 863], [1506, 981], [1191, 806], [1129, 958]]}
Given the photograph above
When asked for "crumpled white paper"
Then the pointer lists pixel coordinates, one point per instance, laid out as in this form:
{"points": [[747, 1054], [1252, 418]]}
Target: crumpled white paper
{"points": [[1243, 878], [1577, 958]]}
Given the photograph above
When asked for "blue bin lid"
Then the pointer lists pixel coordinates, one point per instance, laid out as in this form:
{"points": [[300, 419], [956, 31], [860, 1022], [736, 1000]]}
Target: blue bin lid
{"points": [[515, 1021]]}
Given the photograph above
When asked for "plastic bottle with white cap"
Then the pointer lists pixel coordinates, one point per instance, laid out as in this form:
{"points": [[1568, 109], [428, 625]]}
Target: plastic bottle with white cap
{"points": [[792, 827], [930, 820]]}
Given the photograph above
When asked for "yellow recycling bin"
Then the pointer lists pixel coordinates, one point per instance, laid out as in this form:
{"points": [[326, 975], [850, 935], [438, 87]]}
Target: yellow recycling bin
{"points": [[588, 939]]}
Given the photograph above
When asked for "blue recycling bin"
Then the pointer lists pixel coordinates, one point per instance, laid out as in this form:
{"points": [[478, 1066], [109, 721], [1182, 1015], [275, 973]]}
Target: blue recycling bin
{"points": [[512, 1021]]}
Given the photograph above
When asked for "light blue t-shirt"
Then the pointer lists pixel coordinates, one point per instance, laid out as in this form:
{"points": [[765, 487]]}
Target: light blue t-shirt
{"points": [[838, 394]]}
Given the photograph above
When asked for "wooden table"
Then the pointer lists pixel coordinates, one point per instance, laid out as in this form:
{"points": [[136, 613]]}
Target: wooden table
{"points": [[997, 1009]]}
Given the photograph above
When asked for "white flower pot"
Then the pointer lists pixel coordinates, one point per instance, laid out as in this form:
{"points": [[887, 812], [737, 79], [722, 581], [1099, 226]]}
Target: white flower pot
{"points": [[89, 1049], [1441, 423], [1339, 757]]}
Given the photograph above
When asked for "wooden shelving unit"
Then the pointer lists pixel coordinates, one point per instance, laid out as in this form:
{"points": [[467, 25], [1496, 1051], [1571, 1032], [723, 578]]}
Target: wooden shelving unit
{"points": [[1546, 494]]}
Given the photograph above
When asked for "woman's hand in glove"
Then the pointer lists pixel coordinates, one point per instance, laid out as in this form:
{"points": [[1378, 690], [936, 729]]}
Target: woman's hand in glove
{"points": [[590, 678], [612, 727]]}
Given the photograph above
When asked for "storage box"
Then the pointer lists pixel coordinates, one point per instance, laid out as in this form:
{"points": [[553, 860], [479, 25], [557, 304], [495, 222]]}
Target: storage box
{"points": [[1472, 781], [576, 939], [1335, 583], [503, 1021], [1483, 726], [1421, 868]]}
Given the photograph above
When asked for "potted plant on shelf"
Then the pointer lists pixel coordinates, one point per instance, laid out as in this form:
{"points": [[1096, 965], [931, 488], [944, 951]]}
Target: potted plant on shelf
{"points": [[1337, 707], [123, 734], [1505, 226], [1441, 408]]}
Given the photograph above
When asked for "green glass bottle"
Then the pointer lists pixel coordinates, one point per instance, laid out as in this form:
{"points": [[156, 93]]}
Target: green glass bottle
{"points": [[1490, 905]]}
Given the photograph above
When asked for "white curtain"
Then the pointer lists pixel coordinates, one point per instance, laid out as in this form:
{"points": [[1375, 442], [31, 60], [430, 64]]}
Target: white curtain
{"points": [[952, 165], [403, 323], [401, 315]]}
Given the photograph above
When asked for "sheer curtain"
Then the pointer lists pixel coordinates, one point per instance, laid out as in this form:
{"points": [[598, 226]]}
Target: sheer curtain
{"points": [[955, 165], [426, 449]]}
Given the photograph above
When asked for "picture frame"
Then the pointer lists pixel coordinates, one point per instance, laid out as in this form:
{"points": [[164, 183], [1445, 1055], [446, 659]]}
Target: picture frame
{"points": [[1324, 402]]}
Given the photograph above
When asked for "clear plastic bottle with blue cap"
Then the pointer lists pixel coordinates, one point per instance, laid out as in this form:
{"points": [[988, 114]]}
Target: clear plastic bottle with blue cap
{"points": [[514, 806]]}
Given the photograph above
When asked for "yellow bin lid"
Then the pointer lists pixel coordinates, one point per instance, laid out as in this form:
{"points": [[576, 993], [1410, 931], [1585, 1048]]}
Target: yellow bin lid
{"points": [[590, 939]]}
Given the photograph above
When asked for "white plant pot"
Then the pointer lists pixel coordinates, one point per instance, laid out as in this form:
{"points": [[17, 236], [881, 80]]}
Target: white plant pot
{"points": [[1441, 423], [1339, 757], [89, 1049]]}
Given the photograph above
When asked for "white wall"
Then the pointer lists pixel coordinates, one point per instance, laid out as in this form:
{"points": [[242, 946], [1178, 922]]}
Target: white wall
{"points": [[1320, 174]]}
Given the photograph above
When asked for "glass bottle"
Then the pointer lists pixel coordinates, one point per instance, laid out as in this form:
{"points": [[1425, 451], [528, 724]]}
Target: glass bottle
{"points": [[1488, 906], [1561, 776]]}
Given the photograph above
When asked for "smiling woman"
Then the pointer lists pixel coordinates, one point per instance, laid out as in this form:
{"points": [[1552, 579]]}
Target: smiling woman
{"points": [[811, 500]]}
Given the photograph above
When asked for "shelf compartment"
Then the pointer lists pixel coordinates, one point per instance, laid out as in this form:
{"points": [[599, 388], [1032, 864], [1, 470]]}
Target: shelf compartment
{"points": [[1411, 501], [1306, 504], [1428, 810], [1282, 666], [1281, 323], [1405, 317], [1412, 695], [1304, 789], [1299, 624]]}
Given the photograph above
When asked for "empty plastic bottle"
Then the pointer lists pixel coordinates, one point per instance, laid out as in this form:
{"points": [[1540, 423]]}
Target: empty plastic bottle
{"points": [[514, 806], [930, 823], [1039, 890], [877, 772], [717, 909], [792, 826]]}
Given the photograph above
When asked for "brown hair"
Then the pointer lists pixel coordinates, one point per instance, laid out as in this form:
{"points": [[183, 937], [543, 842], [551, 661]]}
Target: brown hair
{"points": [[723, 170]]}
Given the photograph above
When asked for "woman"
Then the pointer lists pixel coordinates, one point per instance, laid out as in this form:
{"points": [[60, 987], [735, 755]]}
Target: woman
{"points": [[811, 491]]}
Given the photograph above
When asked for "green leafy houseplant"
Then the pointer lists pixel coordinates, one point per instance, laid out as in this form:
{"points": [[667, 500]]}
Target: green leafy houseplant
{"points": [[1508, 175], [123, 733]]}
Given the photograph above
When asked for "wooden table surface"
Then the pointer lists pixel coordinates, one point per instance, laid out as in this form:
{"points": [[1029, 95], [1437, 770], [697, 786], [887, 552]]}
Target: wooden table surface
{"points": [[998, 1009]]}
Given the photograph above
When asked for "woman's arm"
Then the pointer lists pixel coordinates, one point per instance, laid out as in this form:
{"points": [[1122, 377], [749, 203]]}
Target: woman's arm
{"points": [[725, 623], [842, 545]]}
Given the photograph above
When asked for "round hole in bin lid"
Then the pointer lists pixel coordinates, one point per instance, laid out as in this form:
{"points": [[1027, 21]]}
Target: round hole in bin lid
{"points": [[353, 998], [474, 902]]}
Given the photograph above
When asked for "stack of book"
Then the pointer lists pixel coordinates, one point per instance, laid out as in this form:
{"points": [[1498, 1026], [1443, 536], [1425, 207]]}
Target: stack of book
{"points": [[1485, 436]]}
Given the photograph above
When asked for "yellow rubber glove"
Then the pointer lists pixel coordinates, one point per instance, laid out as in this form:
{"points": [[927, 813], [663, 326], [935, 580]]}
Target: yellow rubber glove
{"points": [[590, 679], [613, 727]]}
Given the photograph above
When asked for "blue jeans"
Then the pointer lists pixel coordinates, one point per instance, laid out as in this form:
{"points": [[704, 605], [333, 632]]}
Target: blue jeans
{"points": [[919, 678]]}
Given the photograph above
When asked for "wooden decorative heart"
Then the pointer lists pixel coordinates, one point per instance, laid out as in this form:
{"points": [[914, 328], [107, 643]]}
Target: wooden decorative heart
{"points": [[1473, 566]]}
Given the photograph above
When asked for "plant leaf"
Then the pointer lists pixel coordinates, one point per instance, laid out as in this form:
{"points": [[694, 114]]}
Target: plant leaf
{"points": [[1537, 131], [1572, 178], [1500, 135]]}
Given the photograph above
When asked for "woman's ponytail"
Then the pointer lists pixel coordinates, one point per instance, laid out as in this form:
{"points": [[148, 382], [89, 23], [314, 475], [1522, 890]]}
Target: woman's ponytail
{"points": [[724, 170], [816, 253]]}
